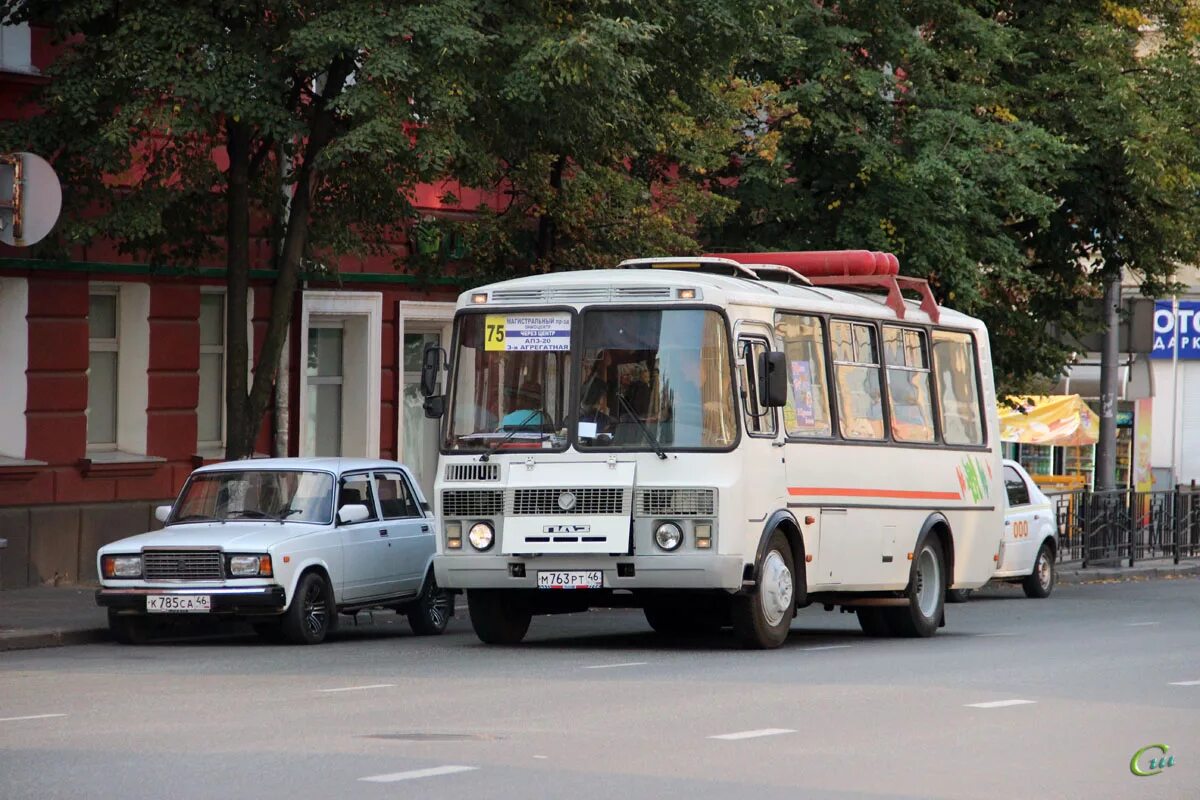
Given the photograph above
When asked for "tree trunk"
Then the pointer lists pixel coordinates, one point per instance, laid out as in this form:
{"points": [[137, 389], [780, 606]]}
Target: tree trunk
{"points": [[544, 246], [239, 436]]}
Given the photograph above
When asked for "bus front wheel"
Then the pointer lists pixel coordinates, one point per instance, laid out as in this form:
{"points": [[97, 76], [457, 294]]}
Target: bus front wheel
{"points": [[498, 616], [762, 617], [926, 594]]}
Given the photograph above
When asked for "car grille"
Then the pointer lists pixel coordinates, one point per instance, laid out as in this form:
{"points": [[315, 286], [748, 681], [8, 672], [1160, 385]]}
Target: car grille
{"points": [[472, 472], [183, 565], [676, 502], [539, 502], [472, 503]]}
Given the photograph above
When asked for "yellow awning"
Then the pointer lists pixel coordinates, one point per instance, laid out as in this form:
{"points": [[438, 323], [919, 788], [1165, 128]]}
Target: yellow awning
{"points": [[1063, 420]]}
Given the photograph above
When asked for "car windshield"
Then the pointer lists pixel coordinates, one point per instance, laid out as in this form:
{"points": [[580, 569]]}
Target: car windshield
{"points": [[511, 381], [292, 495], [656, 379]]}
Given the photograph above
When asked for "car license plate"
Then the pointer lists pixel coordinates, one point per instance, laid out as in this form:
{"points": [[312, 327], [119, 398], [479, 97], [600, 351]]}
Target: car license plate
{"points": [[589, 579], [178, 603]]}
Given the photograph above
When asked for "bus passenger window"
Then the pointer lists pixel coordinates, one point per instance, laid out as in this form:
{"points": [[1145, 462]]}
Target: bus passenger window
{"points": [[760, 419], [856, 370], [807, 409], [908, 384], [954, 363]]}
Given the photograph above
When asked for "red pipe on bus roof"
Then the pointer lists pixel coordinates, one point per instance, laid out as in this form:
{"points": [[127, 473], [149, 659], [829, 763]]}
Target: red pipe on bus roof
{"points": [[819, 263]]}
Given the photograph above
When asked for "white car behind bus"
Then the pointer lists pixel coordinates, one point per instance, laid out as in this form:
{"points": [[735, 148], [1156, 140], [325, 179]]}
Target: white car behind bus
{"points": [[285, 544]]}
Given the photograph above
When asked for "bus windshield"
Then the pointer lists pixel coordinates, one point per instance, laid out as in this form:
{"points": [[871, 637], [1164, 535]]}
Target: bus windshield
{"points": [[511, 381], [655, 378]]}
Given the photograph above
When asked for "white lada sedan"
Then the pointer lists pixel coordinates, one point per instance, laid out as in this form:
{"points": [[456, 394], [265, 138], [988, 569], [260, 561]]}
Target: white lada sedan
{"points": [[1030, 543], [286, 544]]}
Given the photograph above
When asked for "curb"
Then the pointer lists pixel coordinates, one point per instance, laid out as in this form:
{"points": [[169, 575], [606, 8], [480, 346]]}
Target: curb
{"points": [[1111, 574], [35, 639]]}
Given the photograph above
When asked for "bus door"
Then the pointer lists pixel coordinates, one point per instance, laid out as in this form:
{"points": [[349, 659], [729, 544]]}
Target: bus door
{"points": [[762, 446]]}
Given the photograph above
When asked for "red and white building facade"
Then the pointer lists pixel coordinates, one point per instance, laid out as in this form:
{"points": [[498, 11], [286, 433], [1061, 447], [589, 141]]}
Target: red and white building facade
{"points": [[112, 377]]}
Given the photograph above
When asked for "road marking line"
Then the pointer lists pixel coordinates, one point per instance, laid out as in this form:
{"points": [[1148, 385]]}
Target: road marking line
{"points": [[357, 688], [1001, 703], [1185, 683], [986, 635], [827, 647], [392, 777], [730, 737], [1139, 624], [33, 716], [541, 756], [614, 666]]}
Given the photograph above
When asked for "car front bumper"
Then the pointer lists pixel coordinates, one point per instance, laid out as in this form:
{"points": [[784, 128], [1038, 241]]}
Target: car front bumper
{"points": [[249, 601]]}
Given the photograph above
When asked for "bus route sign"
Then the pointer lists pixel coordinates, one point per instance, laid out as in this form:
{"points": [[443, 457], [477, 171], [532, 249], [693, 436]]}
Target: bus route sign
{"points": [[523, 333]]}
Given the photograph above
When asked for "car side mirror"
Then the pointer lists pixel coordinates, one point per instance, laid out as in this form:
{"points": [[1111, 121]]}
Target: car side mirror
{"points": [[772, 379], [431, 365], [352, 513], [162, 512]]}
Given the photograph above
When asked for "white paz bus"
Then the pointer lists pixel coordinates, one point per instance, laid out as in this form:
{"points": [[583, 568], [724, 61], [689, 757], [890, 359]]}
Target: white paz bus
{"points": [[718, 441]]}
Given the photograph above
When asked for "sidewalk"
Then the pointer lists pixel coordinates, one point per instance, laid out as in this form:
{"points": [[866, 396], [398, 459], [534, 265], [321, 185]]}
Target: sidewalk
{"points": [[56, 616]]}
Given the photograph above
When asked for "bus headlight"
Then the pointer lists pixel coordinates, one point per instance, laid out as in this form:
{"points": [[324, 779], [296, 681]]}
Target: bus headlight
{"points": [[668, 536], [481, 535]]}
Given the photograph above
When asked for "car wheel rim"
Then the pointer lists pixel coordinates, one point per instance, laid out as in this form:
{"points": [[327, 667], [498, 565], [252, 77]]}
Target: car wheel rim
{"points": [[315, 611], [437, 608], [1044, 573], [928, 582], [775, 591]]}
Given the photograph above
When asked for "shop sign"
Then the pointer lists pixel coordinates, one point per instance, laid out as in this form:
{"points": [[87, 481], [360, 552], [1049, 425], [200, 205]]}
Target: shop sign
{"points": [[1184, 329]]}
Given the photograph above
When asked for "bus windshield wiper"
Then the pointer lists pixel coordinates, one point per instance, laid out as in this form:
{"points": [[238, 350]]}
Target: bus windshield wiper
{"points": [[658, 451], [491, 451]]}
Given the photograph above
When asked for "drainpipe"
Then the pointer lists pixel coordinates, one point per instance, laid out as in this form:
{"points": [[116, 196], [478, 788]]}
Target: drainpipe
{"points": [[282, 371]]}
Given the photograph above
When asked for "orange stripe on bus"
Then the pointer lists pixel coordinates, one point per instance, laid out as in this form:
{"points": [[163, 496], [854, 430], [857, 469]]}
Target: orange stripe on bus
{"points": [[891, 494]]}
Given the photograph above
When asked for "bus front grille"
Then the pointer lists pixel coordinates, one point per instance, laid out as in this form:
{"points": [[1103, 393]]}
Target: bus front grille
{"points": [[473, 472], [472, 503], [676, 502], [569, 500]]}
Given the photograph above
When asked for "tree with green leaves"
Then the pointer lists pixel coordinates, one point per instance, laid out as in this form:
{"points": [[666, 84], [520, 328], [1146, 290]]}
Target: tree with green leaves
{"points": [[191, 131]]}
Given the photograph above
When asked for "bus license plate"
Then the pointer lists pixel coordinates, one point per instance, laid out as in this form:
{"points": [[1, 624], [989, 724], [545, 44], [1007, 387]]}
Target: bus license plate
{"points": [[591, 579], [178, 603]]}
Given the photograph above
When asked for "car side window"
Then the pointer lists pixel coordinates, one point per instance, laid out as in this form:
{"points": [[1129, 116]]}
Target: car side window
{"points": [[1018, 492], [396, 498], [356, 489]]}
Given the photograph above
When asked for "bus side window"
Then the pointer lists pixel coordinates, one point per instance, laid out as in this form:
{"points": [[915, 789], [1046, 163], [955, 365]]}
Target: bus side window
{"points": [[908, 384], [760, 419], [807, 410], [954, 364], [856, 370]]}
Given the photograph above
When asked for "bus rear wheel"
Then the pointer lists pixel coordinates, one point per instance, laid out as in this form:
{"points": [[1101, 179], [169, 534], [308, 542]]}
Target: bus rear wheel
{"points": [[762, 617], [498, 616], [926, 594]]}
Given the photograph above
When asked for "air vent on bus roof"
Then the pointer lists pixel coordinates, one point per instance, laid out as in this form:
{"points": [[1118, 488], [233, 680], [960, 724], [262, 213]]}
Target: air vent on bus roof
{"points": [[642, 293], [518, 295], [581, 294]]}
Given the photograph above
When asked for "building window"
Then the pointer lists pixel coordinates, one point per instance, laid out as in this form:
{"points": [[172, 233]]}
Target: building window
{"points": [[16, 48], [14, 360], [103, 369], [324, 378], [210, 408]]}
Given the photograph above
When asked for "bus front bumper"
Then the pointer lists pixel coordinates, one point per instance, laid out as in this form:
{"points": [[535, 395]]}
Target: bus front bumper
{"points": [[675, 571]]}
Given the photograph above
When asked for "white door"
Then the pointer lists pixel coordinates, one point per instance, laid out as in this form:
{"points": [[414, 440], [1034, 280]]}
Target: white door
{"points": [[1020, 548], [410, 534], [365, 560], [323, 385]]}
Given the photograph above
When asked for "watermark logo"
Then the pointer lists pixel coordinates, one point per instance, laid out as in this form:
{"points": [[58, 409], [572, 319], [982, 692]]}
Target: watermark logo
{"points": [[1155, 758]]}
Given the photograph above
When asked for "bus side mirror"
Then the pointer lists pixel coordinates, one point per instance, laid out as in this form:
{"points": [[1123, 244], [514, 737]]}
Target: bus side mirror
{"points": [[772, 380], [435, 406], [431, 365]]}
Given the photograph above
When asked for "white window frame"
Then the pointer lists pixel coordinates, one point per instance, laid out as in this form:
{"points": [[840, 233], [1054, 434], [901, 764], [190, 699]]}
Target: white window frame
{"points": [[223, 350], [14, 361], [132, 346], [106, 346], [362, 314], [16, 48]]}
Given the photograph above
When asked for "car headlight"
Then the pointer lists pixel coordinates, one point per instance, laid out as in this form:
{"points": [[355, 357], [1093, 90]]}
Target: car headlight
{"points": [[668, 536], [481, 535], [122, 566], [250, 566]]}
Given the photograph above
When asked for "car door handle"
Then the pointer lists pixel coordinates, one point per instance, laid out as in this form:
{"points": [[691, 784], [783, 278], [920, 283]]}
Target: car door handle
{"points": [[383, 532], [424, 529]]}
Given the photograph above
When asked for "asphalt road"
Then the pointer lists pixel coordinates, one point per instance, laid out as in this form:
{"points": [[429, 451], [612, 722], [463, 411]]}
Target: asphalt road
{"points": [[597, 706]]}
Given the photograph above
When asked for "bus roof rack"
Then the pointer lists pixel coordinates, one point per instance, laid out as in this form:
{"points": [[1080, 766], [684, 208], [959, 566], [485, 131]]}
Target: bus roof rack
{"points": [[777, 273], [706, 264], [892, 284]]}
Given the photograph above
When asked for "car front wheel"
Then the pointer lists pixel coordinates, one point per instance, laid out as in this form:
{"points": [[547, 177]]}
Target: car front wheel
{"points": [[432, 611], [312, 615]]}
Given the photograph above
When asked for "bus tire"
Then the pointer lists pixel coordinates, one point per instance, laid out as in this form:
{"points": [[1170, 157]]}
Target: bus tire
{"points": [[873, 622], [498, 616], [926, 593], [762, 617], [671, 620], [1040, 583]]}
